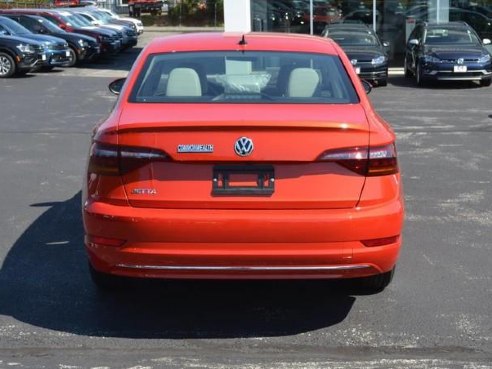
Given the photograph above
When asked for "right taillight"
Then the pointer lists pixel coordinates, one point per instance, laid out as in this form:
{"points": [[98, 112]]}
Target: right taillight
{"points": [[367, 161], [113, 160]]}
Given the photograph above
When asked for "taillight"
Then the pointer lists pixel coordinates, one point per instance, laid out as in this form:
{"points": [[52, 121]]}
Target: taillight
{"points": [[112, 160], [366, 161]]}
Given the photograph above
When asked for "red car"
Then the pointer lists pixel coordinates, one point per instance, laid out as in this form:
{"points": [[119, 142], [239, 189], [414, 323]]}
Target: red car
{"points": [[255, 156]]}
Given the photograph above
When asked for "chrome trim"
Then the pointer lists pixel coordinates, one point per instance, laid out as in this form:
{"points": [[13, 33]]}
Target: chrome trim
{"points": [[247, 268]]}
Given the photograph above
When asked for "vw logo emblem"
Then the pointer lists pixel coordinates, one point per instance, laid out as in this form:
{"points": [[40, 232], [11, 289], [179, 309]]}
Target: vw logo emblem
{"points": [[243, 146], [353, 61], [461, 61]]}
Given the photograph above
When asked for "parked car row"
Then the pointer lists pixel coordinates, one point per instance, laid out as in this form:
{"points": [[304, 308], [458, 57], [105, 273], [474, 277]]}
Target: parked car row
{"points": [[450, 51], [33, 39]]}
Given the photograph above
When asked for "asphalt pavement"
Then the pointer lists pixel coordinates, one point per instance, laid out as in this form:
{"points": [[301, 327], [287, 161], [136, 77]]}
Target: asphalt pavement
{"points": [[437, 313]]}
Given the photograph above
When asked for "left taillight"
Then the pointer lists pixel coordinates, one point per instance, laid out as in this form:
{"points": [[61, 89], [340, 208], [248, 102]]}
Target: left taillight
{"points": [[367, 161], [113, 160]]}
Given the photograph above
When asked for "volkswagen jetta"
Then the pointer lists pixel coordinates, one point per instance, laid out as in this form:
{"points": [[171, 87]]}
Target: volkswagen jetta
{"points": [[255, 156]]}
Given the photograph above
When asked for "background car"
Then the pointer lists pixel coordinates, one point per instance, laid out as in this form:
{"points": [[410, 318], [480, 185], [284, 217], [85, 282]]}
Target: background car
{"points": [[19, 55], [56, 49], [138, 23], [242, 156], [363, 47], [82, 47], [447, 52]]}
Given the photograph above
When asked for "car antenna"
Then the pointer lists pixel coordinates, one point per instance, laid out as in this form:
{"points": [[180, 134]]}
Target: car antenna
{"points": [[242, 41]]}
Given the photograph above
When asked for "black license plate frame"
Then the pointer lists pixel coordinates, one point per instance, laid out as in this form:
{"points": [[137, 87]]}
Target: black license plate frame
{"points": [[222, 186]]}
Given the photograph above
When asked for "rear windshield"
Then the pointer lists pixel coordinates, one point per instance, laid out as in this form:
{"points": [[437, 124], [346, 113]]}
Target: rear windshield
{"points": [[243, 77]]}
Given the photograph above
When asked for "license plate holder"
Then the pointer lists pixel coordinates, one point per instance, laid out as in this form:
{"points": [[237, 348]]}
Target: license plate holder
{"points": [[357, 70], [460, 68], [243, 180]]}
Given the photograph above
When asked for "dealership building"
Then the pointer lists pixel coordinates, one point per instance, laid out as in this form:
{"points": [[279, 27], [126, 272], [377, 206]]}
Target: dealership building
{"points": [[393, 20]]}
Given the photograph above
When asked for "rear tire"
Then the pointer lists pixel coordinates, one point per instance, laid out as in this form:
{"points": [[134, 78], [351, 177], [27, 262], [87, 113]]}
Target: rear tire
{"points": [[485, 82], [106, 282], [408, 74], [378, 282], [7, 65], [419, 77]]}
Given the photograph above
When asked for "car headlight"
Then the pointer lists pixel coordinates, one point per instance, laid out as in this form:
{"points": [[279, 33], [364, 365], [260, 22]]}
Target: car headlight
{"points": [[379, 60], [26, 48], [83, 43], [484, 59], [431, 59]]}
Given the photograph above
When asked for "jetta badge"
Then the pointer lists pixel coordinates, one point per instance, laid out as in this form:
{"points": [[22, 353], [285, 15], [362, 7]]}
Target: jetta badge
{"points": [[353, 61], [461, 61], [244, 146]]}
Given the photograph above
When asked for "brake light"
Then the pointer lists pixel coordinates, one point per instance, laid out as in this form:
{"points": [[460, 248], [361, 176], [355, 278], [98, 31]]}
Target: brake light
{"points": [[112, 160], [366, 161]]}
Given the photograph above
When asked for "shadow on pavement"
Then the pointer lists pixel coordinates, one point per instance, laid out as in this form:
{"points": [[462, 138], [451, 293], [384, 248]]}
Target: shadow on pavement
{"points": [[44, 281], [122, 61]]}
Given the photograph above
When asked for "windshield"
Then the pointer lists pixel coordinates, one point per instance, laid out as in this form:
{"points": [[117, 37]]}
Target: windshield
{"points": [[353, 38], [70, 19], [49, 25], [98, 16], [246, 77], [13, 27], [438, 36]]}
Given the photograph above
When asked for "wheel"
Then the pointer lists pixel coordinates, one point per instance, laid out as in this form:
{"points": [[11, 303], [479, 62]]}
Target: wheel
{"points": [[72, 58], [106, 282], [7, 65], [419, 77], [485, 82], [377, 283], [408, 74]]}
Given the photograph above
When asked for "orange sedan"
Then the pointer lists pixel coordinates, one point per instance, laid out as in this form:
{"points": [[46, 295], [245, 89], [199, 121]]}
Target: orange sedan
{"points": [[231, 156]]}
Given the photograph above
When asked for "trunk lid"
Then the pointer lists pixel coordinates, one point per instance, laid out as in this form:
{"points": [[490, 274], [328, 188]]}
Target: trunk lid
{"points": [[287, 140]]}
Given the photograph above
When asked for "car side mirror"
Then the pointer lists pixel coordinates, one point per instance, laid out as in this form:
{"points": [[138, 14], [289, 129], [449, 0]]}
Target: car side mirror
{"points": [[486, 41], [116, 86], [413, 42], [367, 86]]}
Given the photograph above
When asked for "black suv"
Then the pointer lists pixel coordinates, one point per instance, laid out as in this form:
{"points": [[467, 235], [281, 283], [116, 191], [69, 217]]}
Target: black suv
{"points": [[57, 52], [363, 47], [81, 47], [19, 55], [447, 52]]}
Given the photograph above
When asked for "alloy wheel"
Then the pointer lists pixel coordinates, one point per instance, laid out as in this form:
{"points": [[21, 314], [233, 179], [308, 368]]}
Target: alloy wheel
{"points": [[6, 66]]}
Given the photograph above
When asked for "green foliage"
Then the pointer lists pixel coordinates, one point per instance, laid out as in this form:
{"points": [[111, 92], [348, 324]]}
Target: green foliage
{"points": [[197, 13], [24, 3]]}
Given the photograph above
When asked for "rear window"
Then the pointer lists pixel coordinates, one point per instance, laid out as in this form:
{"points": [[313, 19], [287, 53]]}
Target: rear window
{"points": [[243, 77]]}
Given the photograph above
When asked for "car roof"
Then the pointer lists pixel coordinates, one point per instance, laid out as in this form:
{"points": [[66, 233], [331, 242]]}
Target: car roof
{"points": [[261, 41], [447, 25]]}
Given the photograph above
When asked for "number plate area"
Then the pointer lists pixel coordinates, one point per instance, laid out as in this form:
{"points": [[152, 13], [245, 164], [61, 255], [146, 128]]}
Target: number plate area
{"points": [[357, 70], [243, 180], [460, 68]]}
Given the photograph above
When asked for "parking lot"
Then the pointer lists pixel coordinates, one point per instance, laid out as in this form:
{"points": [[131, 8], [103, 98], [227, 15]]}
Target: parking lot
{"points": [[437, 313]]}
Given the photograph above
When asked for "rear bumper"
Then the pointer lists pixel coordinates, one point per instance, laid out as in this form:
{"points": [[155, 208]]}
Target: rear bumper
{"points": [[242, 244]]}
